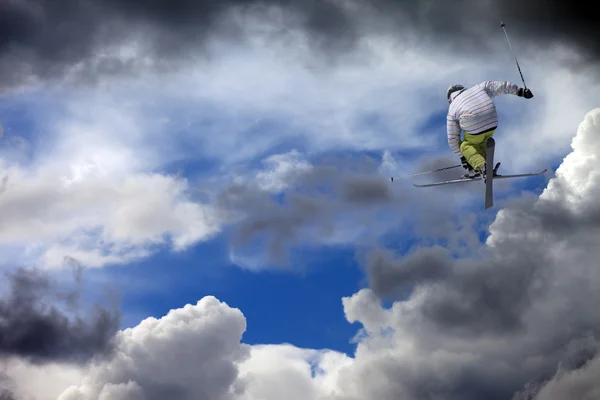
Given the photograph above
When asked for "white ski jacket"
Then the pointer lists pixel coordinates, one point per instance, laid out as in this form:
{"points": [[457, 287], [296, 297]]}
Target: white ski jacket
{"points": [[473, 110]]}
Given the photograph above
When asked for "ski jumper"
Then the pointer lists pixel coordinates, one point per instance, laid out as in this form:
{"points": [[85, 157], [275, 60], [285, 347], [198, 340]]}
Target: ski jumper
{"points": [[473, 111]]}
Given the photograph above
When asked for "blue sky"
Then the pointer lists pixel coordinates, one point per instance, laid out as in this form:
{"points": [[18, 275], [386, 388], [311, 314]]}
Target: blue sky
{"points": [[302, 308]]}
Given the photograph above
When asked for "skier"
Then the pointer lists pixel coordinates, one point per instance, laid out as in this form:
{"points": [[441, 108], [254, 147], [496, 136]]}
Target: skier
{"points": [[473, 111]]}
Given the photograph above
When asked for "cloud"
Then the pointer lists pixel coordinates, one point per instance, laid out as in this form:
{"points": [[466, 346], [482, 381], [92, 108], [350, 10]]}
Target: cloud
{"points": [[103, 38], [386, 95], [107, 37], [334, 201], [191, 353], [6, 395], [100, 219], [94, 188], [580, 383], [466, 24], [279, 169], [272, 370], [485, 325], [387, 274], [38, 382], [194, 352], [33, 329]]}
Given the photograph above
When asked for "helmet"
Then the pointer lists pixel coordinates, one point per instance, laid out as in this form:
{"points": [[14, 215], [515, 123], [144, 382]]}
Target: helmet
{"points": [[452, 89]]}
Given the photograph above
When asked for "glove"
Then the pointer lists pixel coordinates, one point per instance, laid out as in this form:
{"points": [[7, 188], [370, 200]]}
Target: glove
{"points": [[465, 164], [522, 92]]}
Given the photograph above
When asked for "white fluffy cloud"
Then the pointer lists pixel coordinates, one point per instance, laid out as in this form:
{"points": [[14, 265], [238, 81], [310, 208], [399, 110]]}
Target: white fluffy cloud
{"points": [[276, 370], [280, 168], [98, 219], [192, 352], [43, 382]]}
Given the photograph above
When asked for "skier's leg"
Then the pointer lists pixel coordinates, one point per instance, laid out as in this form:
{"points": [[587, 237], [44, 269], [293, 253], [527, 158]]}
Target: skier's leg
{"points": [[470, 148], [482, 147]]}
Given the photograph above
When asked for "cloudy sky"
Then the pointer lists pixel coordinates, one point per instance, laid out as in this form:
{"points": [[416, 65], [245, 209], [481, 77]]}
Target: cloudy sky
{"points": [[195, 202]]}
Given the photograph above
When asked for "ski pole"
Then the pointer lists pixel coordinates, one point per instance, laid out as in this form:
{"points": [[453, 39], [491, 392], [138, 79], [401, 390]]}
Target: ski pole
{"points": [[426, 172], [514, 55]]}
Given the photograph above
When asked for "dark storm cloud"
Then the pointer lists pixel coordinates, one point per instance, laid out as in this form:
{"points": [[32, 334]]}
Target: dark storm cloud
{"points": [[46, 39], [514, 303], [279, 224], [387, 274], [469, 297], [544, 20], [492, 290], [581, 383], [526, 305], [576, 375], [33, 328]]}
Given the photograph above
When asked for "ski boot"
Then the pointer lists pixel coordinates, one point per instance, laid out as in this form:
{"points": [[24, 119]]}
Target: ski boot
{"points": [[483, 172], [472, 174]]}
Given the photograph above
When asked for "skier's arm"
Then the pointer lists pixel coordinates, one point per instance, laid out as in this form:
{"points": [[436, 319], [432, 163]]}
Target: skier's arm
{"points": [[499, 88], [453, 129]]}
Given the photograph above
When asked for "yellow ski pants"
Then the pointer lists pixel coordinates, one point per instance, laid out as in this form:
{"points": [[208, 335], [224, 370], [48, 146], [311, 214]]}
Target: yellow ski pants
{"points": [[474, 148]]}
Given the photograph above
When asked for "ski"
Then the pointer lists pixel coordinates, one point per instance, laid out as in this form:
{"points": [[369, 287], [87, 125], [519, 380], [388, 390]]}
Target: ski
{"points": [[464, 180], [461, 180], [543, 171], [425, 172], [489, 181]]}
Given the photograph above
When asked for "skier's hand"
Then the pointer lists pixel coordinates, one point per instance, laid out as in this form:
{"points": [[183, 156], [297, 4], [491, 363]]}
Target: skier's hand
{"points": [[523, 92], [464, 163]]}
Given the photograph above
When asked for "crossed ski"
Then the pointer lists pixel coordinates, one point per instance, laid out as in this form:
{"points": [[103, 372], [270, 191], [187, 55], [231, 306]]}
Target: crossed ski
{"points": [[491, 176]]}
